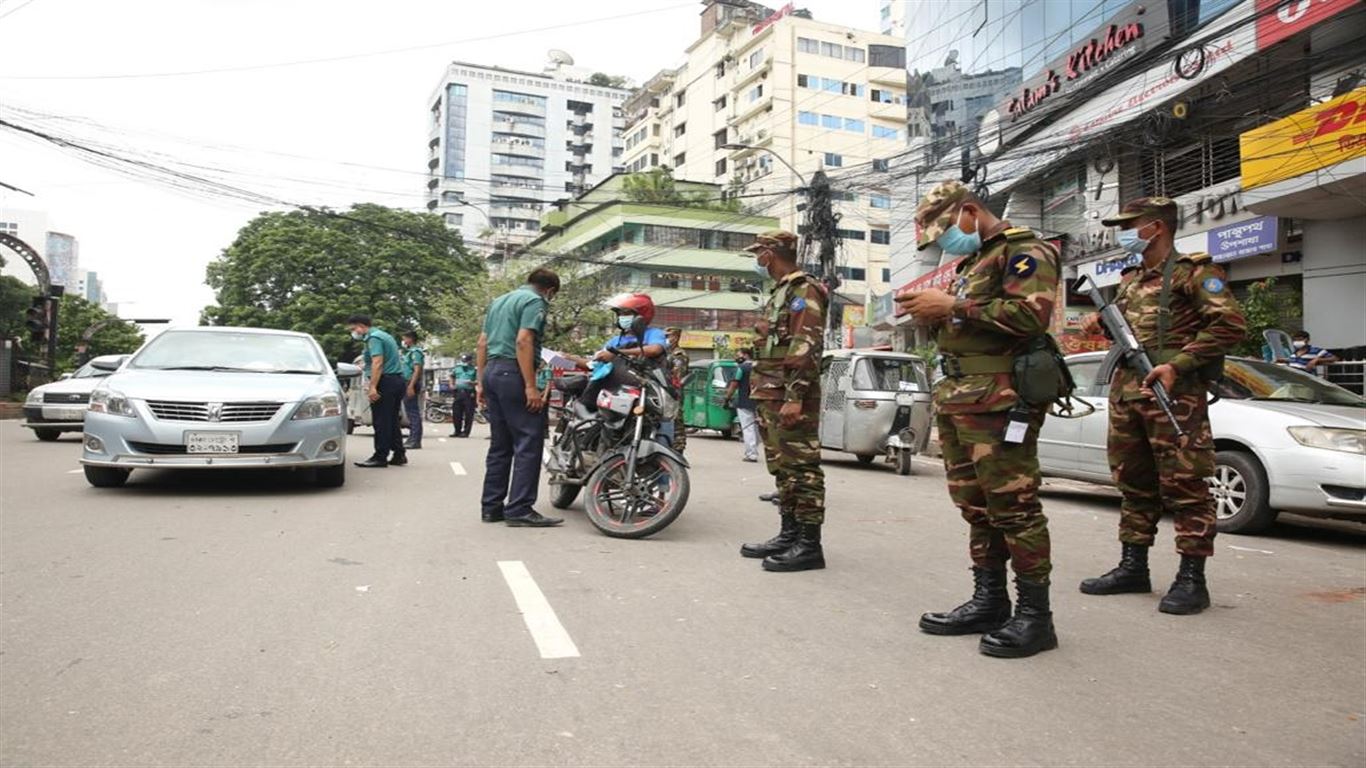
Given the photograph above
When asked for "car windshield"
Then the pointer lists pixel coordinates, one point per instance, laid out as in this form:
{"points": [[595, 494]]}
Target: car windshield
{"points": [[218, 351], [89, 371], [887, 374], [1253, 380]]}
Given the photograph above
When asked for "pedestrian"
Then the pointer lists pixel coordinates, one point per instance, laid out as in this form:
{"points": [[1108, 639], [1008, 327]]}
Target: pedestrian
{"points": [[738, 397], [1003, 298], [384, 363], [678, 369], [509, 348], [787, 392], [1305, 356], [1183, 313], [463, 378], [414, 363]]}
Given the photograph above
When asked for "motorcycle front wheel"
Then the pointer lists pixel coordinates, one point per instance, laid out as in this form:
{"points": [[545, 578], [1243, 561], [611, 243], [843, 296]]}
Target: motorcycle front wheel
{"points": [[655, 499]]}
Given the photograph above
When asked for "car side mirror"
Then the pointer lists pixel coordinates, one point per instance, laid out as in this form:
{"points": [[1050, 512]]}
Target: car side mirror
{"points": [[347, 371], [64, 377], [105, 365]]}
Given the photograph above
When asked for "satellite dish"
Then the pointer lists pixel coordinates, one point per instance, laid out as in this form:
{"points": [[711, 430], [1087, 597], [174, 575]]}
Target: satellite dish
{"points": [[989, 133], [558, 56]]}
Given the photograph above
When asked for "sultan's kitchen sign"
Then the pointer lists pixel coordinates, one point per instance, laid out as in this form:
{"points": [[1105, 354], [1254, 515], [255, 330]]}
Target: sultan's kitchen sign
{"points": [[1128, 34]]}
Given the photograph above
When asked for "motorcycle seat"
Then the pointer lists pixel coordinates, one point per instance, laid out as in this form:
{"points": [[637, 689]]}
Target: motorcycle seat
{"points": [[573, 384]]}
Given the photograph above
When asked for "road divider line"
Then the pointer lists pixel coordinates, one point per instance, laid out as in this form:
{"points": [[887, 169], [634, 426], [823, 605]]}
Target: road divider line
{"points": [[458, 469], [74, 471], [551, 638]]}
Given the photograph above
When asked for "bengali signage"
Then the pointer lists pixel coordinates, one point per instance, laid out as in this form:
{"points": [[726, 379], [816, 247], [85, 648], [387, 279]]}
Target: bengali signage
{"points": [[1248, 238], [1279, 19], [1308, 140]]}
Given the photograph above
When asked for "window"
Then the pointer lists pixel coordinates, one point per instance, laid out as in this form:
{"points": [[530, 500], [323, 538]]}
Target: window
{"points": [[856, 54], [802, 80], [680, 98], [756, 58], [852, 89], [886, 275], [679, 159], [446, 197], [879, 201], [854, 126], [833, 160], [833, 122], [886, 56], [457, 111], [832, 50], [755, 93], [831, 86], [680, 129], [454, 219], [720, 103], [883, 96], [808, 118], [852, 273], [654, 159], [719, 139], [720, 69], [807, 45], [882, 132], [880, 236], [721, 167], [851, 234], [655, 131]]}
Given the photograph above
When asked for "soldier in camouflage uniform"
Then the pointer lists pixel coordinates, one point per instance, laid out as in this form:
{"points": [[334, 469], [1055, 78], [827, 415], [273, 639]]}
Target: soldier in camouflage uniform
{"points": [[678, 370], [1184, 314], [1003, 298], [786, 390]]}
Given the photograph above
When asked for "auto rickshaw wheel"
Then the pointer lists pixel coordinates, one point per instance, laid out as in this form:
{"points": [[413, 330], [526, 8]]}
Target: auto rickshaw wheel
{"points": [[903, 462]]}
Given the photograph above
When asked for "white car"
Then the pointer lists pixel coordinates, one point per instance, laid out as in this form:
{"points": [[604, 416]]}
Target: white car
{"points": [[1285, 441], [59, 407]]}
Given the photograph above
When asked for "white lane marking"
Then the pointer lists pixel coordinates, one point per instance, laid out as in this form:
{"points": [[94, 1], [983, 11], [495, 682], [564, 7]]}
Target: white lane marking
{"points": [[545, 628], [458, 469], [74, 471], [441, 439], [1236, 548]]}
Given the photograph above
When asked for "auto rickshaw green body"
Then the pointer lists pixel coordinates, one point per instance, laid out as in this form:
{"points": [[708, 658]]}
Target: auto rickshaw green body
{"points": [[704, 396]]}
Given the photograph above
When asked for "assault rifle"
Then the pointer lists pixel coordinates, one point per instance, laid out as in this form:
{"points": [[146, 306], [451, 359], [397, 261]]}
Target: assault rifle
{"points": [[1126, 350]]}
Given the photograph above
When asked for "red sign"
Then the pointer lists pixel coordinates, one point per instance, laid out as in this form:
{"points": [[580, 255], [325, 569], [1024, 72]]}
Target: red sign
{"points": [[1279, 19], [941, 278], [1108, 43], [773, 18]]}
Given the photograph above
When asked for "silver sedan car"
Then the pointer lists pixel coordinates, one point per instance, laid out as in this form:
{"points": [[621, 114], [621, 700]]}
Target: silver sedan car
{"points": [[1285, 441], [219, 398]]}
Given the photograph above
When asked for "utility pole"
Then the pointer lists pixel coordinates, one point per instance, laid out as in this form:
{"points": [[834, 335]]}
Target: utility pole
{"points": [[821, 225]]}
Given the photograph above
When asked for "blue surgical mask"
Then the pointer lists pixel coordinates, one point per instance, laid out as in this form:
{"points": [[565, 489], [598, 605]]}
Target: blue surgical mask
{"points": [[1131, 242], [956, 242], [760, 269], [624, 322]]}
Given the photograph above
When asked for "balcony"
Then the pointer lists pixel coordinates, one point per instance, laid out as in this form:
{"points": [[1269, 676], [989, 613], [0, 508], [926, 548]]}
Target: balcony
{"points": [[434, 143], [895, 112], [519, 128], [517, 191], [433, 182], [745, 112], [524, 171], [519, 107], [516, 210], [433, 163], [887, 76], [518, 148], [431, 204]]}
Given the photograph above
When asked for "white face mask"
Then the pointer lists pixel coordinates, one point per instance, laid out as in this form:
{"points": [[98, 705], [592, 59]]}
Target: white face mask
{"points": [[357, 335], [624, 322], [1299, 344]]}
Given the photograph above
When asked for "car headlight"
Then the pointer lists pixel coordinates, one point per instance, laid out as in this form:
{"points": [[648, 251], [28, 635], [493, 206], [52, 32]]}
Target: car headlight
{"points": [[1331, 438], [319, 406], [112, 402], [34, 398]]}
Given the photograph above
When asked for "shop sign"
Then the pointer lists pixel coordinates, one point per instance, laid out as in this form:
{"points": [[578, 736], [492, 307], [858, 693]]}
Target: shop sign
{"points": [[1279, 19], [941, 278], [854, 316], [717, 340], [1248, 238], [1107, 272], [773, 18], [1126, 35], [1308, 140]]}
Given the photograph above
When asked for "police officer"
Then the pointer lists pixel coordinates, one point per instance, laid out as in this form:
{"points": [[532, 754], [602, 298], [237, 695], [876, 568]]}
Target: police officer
{"points": [[509, 349], [678, 370], [463, 377], [384, 363], [787, 391], [1183, 312], [414, 362], [1004, 294]]}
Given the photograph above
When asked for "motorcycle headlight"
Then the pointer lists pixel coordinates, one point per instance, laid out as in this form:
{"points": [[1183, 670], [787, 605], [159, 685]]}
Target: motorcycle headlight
{"points": [[1331, 438], [112, 402], [319, 406], [34, 398]]}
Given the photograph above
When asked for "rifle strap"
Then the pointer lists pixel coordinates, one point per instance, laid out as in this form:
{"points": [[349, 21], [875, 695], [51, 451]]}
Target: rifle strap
{"points": [[1164, 300]]}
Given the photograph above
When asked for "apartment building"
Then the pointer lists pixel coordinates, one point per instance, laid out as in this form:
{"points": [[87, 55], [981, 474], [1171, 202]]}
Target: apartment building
{"points": [[765, 92], [504, 143]]}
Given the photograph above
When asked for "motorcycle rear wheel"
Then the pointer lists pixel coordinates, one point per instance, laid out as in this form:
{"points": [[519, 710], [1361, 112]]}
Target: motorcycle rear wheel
{"points": [[662, 489], [563, 494]]}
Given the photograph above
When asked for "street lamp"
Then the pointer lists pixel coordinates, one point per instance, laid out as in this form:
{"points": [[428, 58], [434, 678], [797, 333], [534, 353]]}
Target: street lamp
{"points": [[795, 172]]}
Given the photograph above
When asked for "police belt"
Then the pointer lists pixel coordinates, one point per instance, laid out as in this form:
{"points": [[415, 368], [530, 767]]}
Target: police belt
{"points": [[956, 367]]}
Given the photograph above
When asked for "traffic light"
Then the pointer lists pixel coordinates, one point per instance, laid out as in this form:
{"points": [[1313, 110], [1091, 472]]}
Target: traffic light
{"points": [[37, 319]]}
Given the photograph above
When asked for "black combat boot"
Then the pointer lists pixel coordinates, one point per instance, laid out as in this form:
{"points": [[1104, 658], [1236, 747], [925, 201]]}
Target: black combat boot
{"points": [[988, 609], [787, 536], [1029, 631], [1130, 576], [1188, 593], [805, 555]]}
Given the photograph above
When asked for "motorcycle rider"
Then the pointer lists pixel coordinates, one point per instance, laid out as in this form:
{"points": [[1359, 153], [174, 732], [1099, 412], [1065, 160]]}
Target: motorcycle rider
{"points": [[652, 343]]}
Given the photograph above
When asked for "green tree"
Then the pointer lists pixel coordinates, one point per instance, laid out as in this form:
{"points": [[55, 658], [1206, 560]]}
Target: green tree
{"points": [[15, 299], [75, 316], [1265, 308], [657, 186], [307, 270], [604, 80]]}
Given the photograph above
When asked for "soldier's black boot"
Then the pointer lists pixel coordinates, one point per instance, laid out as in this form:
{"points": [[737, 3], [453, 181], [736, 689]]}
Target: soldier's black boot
{"points": [[805, 555], [1188, 593], [787, 536], [1029, 631], [1130, 576], [988, 609]]}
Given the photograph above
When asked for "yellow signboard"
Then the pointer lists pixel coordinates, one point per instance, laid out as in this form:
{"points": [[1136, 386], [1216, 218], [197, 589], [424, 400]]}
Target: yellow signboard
{"points": [[1314, 138], [854, 317], [731, 340]]}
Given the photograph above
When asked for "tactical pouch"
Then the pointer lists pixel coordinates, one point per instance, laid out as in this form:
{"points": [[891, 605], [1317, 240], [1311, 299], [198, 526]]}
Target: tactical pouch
{"points": [[1040, 375]]}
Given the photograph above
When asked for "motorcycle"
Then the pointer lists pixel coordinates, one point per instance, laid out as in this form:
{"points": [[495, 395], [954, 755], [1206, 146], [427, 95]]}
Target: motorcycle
{"points": [[634, 485], [438, 411]]}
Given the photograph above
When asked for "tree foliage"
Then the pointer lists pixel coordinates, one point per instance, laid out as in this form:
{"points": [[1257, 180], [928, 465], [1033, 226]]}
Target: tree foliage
{"points": [[307, 270], [604, 80], [1266, 308], [15, 298], [657, 186], [75, 316]]}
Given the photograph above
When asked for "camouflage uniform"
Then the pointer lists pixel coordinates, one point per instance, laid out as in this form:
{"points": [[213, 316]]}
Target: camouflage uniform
{"points": [[1005, 294], [788, 346], [678, 370], [1152, 469]]}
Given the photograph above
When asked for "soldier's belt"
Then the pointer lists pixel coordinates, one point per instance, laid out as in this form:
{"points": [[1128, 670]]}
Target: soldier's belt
{"points": [[976, 365]]}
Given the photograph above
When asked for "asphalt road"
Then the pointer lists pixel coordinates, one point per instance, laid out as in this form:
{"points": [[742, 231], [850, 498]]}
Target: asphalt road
{"points": [[248, 619]]}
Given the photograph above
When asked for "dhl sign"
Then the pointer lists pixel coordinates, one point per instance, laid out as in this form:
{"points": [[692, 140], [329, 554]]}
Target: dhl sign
{"points": [[1308, 140]]}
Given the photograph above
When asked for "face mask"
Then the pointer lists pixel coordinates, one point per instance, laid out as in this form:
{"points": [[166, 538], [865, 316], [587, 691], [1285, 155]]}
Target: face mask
{"points": [[357, 335], [956, 242], [624, 322], [1299, 344], [760, 269], [1130, 241]]}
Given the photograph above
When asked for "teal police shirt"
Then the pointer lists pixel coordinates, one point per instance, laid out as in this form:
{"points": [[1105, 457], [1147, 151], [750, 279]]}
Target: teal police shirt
{"points": [[522, 309], [382, 345]]}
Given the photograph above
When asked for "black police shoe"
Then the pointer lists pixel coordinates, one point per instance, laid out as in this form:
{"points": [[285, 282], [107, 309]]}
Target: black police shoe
{"points": [[805, 555], [1188, 594], [988, 609], [1130, 576], [787, 536], [533, 520], [1029, 631], [492, 517], [372, 462]]}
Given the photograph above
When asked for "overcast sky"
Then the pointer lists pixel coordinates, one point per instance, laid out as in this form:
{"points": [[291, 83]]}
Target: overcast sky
{"points": [[318, 133]]}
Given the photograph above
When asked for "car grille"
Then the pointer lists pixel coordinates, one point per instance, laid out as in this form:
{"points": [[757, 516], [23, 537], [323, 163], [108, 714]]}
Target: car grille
{"points": [[66, 398], [175, 449], [169, 410]]}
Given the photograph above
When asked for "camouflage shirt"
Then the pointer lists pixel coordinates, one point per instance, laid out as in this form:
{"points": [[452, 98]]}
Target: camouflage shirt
{"points": [[1204, 321], [789, 340], [678, 366], [1005, 293]]}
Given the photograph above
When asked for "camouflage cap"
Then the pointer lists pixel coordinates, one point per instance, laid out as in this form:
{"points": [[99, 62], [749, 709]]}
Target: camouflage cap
{"points": [[1156, 207], [777, 239], [935, 212]]}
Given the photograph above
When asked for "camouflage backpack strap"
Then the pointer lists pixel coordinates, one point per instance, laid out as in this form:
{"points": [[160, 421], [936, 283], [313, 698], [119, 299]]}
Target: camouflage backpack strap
{"points": [[1164, 302]]}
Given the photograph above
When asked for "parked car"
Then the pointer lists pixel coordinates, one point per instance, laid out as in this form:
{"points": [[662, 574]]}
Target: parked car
{"points": [[52, 409], [220, 398], [1285, 441]]}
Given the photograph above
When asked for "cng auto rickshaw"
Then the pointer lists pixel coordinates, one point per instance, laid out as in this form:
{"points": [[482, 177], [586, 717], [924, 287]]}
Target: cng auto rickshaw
{"points": [[875, 404], [704, 396]]}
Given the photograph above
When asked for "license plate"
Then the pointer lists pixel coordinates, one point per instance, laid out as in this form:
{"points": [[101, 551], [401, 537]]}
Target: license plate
{"points": [[64, 414], [211, 442]]}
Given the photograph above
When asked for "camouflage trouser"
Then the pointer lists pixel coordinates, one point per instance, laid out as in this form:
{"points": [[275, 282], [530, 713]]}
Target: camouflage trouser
{"points": [[680, 433], [996, 485], [794, 460], [1154, 471]]}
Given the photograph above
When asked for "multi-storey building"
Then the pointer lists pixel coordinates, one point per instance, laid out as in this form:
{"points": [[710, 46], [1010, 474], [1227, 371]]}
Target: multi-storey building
{"points": [[505, 143], [765, 93]]}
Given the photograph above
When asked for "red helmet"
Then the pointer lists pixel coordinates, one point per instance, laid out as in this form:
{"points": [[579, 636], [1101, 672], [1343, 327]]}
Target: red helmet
{"points": [[638, 303]]}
